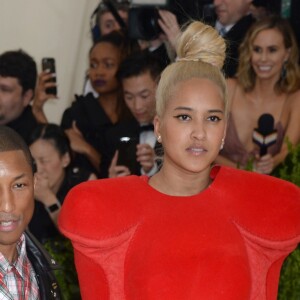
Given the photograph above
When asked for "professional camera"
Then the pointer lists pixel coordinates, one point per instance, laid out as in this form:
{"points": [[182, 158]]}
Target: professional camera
{"points": [[143, 20], [142, 17]]}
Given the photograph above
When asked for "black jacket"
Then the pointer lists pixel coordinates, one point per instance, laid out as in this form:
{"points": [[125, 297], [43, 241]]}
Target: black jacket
{"points": [[234, 38], [43, 266]]}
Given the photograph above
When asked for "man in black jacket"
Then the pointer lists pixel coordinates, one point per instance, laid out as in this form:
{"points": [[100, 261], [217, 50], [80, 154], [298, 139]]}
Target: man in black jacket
{"points": [[139, 75], [233, 21], [25, 269]]}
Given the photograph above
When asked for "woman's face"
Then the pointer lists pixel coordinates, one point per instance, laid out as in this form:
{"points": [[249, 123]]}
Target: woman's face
{"points": [[268, 54], [108, 23], [50, 163], [192, 126], [105, 59]]}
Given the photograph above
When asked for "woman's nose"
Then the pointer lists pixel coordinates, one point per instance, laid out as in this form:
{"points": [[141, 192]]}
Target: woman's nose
{"points": [[198, 131]]}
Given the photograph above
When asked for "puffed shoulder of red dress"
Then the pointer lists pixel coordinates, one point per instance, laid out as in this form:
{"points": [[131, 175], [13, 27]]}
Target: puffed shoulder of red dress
{"points": [[227, 242]]}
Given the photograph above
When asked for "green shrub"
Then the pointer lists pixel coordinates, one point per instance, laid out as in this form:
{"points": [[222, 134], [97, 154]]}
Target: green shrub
{"points": [[289, 285], [61, 250]]}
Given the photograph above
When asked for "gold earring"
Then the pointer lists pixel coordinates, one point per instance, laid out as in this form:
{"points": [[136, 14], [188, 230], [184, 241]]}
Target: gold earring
{"points": [[222, 144]]}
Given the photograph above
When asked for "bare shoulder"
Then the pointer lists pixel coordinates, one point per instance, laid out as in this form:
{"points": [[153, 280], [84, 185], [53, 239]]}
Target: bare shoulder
{"points": [[294, 99]]}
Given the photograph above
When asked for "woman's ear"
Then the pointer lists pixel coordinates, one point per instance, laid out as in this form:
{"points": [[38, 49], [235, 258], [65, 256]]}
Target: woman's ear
{"points": [[66, 160], [287, 55], [156, 123]]}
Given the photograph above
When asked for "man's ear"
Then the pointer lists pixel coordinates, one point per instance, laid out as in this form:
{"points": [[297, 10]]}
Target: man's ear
{"points": [[27, 96]]}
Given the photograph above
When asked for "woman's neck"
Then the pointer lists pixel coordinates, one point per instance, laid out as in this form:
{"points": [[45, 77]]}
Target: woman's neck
{"points": [[265, 88], [180, 183], [109, 103]]}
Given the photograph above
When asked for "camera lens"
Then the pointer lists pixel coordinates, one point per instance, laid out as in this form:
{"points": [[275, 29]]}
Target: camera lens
{"points": [[143, 23]]}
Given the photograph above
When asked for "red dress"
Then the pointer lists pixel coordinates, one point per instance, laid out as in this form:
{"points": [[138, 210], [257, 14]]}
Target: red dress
{"points": [[227, 242]]}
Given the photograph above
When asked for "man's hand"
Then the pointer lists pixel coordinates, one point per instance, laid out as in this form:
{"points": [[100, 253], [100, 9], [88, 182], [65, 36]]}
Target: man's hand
{"points": [[169, 25], [145, 156]]}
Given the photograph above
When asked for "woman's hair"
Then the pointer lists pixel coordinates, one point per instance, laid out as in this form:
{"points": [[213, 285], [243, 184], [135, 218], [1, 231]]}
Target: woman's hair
{"points": [[246, 75], [118, 5], [117, 39], [200, 54], [54, 134]]}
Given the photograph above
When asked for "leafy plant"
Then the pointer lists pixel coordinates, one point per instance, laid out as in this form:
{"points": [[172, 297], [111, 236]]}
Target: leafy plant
{"points": [[289, 285], [61, 250]]}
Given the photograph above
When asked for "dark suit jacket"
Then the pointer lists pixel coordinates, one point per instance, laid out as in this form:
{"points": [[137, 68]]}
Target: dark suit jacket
{"points": [[233, 38], [24, 124]]}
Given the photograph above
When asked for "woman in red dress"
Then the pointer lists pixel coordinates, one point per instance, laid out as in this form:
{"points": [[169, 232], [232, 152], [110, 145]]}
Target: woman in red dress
{"points": [[193, 230]]}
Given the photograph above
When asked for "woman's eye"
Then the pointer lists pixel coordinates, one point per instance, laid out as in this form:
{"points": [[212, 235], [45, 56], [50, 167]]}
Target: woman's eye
{"points": [[214, 118], [93, 65], [257, 49], [273, 49], [183, 117], [109, 65]]}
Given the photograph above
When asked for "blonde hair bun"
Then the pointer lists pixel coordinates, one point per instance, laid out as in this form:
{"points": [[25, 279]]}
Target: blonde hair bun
{"points": [[201, 42]]}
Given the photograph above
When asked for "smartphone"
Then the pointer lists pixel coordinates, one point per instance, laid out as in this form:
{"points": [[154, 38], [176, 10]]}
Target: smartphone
{"points": [[48, 63], [127, 154]]}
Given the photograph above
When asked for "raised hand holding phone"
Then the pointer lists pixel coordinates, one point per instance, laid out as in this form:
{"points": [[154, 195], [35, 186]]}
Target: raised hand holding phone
{"points": [[46, 89], [49, 73]]}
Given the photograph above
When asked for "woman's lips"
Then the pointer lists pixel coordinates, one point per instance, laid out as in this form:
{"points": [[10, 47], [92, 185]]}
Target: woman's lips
{"points": [[196, 150], [99, 82]]}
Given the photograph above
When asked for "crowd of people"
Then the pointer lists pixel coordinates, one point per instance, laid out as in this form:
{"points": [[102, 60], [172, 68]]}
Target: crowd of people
{"points": [[185, 112]]}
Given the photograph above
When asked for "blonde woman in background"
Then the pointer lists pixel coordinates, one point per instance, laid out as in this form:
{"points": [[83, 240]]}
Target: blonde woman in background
{"points": [[268, 82]]}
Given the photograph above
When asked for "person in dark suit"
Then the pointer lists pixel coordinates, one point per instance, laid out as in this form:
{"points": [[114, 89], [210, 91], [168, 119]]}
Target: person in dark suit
{"points": [[18, 75], [232, 21], [139, 75]]}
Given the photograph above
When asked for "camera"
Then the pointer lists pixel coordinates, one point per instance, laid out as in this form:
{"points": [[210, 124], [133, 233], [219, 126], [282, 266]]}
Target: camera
{"points": [[143, 23], [143, 19]]}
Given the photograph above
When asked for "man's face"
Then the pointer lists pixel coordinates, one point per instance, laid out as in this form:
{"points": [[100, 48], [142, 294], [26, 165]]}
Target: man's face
{"points": [[139, 95], [12, 99], [16, 198], [230, 11]]}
